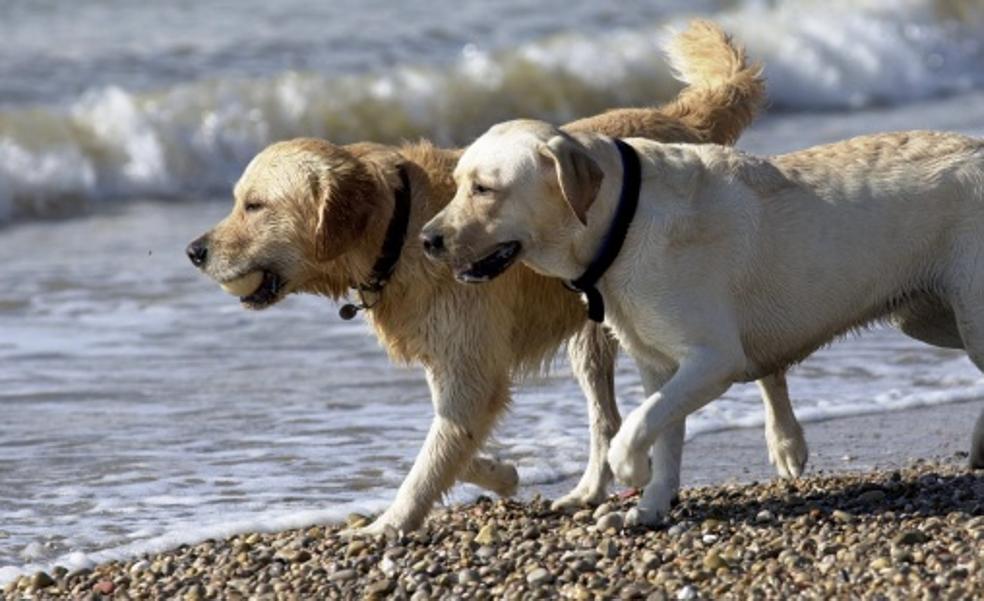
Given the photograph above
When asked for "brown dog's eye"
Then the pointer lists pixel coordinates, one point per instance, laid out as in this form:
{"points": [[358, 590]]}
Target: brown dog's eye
{"points": [[252, 207], [478, 188]]}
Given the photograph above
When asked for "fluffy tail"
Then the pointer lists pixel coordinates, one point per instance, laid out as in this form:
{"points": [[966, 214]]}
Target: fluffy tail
{"points": [[977, 444], [723, 90]]}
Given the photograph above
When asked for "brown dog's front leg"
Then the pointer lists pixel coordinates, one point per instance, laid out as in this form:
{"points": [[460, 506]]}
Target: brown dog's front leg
{"points": [[466, 406]]}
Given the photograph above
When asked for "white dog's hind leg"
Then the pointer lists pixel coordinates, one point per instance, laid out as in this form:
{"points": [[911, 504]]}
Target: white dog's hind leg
{"points": [[783, 434], [498, 476], [592, 353], [702, 376], [969, 310], [977, 444]]}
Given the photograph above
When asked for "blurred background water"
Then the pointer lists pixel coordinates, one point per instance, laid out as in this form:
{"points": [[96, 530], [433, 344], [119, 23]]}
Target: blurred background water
{"points": [[140, 407]]}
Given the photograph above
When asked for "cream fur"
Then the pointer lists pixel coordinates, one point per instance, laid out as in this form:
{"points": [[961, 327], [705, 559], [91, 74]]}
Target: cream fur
{"points": [[735, 266], [325, 212]]}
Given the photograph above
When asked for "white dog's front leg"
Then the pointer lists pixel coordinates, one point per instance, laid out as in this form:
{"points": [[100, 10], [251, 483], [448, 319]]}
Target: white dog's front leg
{"points": [[466, 404], [667, 454], [702, 376], [592, 353], [783, 434]]}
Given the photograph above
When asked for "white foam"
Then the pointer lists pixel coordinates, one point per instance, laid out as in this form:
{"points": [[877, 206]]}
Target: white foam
{"points": [[195, 138], [841, 55], [191, 533]]}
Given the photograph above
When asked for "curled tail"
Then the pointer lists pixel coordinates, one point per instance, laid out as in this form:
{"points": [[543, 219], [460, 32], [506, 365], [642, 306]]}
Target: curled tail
{"points": [[977, 444], [723, 90]]}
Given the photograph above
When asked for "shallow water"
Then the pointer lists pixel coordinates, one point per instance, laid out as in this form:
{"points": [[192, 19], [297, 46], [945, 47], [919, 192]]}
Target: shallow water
{"points": [[140, 407]]}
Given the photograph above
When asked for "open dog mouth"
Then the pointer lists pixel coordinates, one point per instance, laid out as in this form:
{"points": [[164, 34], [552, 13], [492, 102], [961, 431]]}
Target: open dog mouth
{"points": [[256, 290], [492, 265]]}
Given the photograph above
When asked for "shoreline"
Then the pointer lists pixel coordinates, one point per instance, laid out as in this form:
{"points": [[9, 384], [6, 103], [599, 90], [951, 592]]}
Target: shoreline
{"points": [[912, 532], [866, 518]]}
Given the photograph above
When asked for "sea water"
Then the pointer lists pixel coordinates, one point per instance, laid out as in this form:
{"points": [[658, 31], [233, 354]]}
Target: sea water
{"points": [[142, 408]]}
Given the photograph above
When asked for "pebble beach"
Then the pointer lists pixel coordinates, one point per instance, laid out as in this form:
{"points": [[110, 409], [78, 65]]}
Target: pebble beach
{"points": [[916, 532], [158, 442]]}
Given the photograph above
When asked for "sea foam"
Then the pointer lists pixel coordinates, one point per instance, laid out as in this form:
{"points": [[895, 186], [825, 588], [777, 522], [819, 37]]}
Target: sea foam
{"points": [[192, 140]]}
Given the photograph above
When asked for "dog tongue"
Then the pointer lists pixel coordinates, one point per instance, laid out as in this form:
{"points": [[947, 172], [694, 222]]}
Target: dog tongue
{"points": [[245, 285]]}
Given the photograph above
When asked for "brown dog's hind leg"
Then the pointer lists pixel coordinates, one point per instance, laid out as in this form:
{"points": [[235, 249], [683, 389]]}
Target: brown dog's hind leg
{"points": [[592, 354], [498, 476]]}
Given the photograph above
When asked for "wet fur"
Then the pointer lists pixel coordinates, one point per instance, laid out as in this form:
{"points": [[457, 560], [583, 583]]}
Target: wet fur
{"points": [[473, 341]]}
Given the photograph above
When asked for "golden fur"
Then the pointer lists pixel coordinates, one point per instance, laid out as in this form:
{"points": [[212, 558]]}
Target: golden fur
{"points": [[332, 205]]}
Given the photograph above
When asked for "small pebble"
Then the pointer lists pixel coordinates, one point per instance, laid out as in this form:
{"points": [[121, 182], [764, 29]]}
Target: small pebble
{"points": [[41, 580], [842, 516], [539, 576], [910, 537], [610, 521], [343, 575], [602, 510], [488, 535]]}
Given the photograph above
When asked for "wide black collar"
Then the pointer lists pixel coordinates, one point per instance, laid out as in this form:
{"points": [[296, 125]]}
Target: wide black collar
{"points": [[389, 255], [611, 244]]}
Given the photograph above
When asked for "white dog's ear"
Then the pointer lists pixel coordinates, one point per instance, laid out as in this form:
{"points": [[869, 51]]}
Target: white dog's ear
{"points": [[578, 174]]}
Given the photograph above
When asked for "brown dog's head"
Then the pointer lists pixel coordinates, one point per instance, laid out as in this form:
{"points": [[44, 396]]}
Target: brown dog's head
{"points": [[299, 205], [523, 187]]}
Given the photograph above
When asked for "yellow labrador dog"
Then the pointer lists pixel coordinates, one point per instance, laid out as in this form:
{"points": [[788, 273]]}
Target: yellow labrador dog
{"points": [[313, 217], [713, 266]]}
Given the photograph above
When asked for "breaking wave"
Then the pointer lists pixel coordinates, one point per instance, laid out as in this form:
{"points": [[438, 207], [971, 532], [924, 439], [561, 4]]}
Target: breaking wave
{"points": [[192, 140]]}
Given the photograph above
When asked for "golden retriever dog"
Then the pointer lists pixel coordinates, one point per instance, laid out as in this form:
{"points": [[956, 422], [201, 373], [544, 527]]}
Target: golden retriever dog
{"points": [[726, 267], [317, 218]]}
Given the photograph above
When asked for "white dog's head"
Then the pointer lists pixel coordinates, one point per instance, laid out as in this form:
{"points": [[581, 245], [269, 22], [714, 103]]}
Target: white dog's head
{"points": [[522, 186]]}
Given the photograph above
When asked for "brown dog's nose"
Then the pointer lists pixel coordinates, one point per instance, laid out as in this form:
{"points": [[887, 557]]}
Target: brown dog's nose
{"points": [[197, 251], [433, 243]]}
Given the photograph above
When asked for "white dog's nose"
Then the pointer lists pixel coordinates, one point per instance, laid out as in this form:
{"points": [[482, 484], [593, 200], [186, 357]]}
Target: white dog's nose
{"points": [[433, 243]]}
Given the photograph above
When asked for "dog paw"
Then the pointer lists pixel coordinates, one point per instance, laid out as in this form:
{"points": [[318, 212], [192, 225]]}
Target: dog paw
{"points": [[788, 452], [653, 506], [578, 498], [379, 527], [630, 465], [507, 480], [639, 517]]}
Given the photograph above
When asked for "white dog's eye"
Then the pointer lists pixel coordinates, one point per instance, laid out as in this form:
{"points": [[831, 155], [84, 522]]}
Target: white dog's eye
{"points": [[252, 207], [478, 188]]}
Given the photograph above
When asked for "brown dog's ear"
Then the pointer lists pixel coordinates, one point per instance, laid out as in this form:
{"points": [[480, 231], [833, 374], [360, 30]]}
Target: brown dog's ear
{"points": [[347, 197], [579, 175]]}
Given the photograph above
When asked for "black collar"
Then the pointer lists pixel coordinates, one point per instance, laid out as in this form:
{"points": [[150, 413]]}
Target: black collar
{"points": [[611, 244], [389, 256]]}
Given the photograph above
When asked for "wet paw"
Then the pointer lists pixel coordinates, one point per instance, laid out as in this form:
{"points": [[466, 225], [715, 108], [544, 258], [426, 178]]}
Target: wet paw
{"points": [[578, 498], [788, 453], [630, 465]]}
